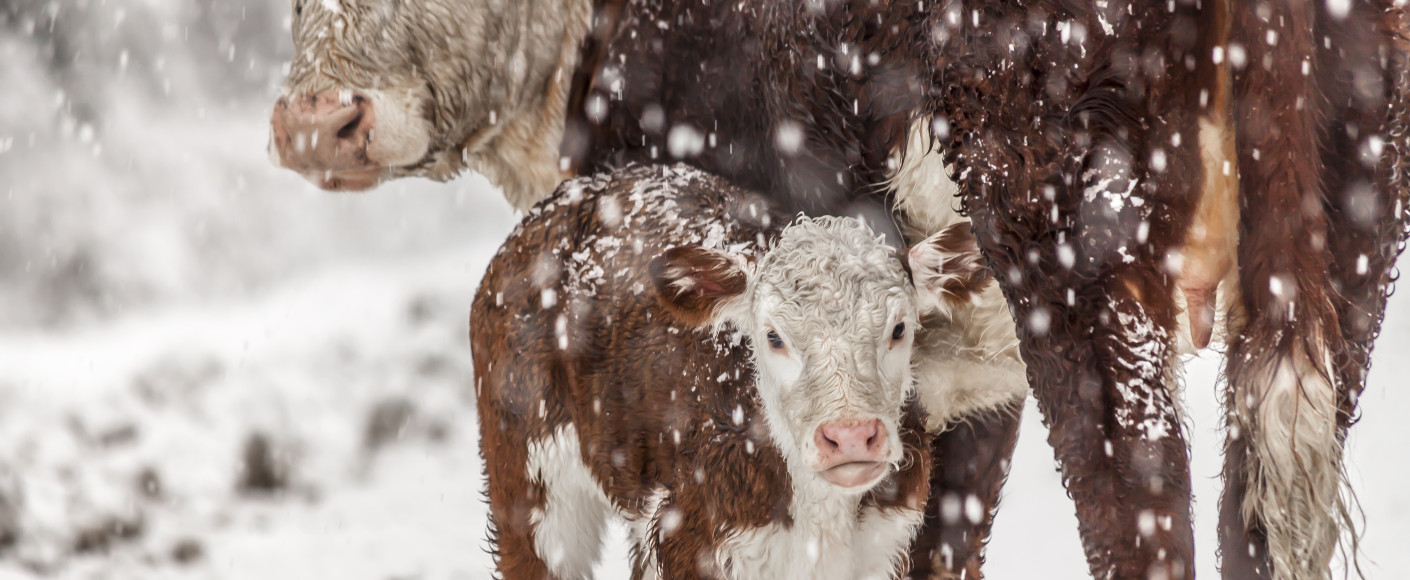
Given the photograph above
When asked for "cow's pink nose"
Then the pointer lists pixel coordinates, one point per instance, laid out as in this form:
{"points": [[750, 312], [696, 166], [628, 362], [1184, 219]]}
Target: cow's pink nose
{"points": [[325, 137], [851, 440]]}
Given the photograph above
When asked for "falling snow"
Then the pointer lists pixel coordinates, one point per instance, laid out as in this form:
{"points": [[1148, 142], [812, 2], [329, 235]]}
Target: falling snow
{"points": [[183, 295]]}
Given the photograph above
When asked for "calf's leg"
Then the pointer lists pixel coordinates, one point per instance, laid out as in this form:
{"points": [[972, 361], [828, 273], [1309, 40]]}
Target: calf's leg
{"points": [[514, 500], [548, 514]]}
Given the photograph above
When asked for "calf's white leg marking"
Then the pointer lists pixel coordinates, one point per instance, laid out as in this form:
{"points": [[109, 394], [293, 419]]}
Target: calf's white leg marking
{"points": [[568, 530]]}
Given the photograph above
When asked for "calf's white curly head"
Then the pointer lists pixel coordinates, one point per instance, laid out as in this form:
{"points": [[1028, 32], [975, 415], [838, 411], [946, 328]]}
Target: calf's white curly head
{"points": [[831, 313]]}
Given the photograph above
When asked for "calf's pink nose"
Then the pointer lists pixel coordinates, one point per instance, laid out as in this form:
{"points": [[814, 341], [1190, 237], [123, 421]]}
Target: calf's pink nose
{"points": [[325, 137], [851, 440]]}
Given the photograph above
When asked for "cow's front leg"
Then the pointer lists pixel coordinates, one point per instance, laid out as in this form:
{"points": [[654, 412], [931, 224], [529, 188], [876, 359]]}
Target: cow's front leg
{"points": [[1080, 171], [1082, 238], [971, 464], [1101, 372]]}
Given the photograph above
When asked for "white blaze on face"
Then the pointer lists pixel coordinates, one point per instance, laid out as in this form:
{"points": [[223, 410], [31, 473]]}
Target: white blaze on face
{"points": [[814, 371]]}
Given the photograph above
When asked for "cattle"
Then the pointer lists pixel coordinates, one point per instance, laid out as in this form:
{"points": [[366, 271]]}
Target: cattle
{"points": [[495, 87], [1142, 178], [653, 343]]}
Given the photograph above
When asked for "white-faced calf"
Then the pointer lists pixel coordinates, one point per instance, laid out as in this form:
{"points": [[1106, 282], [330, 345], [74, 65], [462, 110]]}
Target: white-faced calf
{"points": [[653, 344]]}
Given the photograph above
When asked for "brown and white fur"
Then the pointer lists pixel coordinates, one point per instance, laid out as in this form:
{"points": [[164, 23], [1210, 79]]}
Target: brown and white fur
{"points": [[653, 344], [381, 90], [1078, 134]]}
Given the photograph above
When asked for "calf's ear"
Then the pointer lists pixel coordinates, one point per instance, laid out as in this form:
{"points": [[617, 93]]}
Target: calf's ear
{"points": [[694, 283], [947, 270]]}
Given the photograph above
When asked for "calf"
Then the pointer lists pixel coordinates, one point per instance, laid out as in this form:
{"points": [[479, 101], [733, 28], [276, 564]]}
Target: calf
{"points": [[651, 343]]}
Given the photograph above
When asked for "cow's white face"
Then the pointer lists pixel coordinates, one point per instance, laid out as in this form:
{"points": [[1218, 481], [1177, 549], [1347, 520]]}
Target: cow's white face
{"points": [[831, 315], [381, 89]]}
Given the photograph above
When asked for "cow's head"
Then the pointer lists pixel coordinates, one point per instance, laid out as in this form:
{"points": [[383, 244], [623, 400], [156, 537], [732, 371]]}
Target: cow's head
{"points": [[380, 89], [831, 312]]}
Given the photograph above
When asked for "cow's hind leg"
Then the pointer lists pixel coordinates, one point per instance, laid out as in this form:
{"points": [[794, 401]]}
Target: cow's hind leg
{"points": [[1364, 74], [1314, 265]]}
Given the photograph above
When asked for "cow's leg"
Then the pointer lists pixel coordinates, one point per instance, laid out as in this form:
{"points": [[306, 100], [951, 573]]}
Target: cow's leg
{"points": [[1081, 178], [1364, 75], [1106, 395], [971, 464], [1314, 266], [1093, 300]]}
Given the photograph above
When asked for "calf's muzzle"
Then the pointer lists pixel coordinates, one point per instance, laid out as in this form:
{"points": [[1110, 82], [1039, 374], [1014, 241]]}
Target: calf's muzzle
{"points": [[852, 452]]}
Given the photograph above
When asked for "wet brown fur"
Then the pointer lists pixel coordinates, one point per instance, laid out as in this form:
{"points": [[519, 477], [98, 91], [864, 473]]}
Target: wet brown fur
{"points": [[1037, 114], [1323, 216]]}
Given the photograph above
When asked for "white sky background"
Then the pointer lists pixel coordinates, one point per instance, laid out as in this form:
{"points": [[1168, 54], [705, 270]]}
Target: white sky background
{"points": [[157, 274]]}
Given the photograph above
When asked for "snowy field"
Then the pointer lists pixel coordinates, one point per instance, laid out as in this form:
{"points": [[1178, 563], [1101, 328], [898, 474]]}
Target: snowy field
{"points": [[209, 369]]}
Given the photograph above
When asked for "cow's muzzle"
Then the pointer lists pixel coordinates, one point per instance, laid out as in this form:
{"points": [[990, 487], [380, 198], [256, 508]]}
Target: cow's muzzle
{"points": [[325, 138]]}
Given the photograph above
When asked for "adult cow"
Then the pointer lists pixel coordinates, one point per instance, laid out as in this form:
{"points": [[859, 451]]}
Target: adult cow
{"points": [[1075, 130]]}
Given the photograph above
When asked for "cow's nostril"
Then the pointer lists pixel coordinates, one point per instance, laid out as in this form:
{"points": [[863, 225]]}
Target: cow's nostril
{"points": [[350, 129]]}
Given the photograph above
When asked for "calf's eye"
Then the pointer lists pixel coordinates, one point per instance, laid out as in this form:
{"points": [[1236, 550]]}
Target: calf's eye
{"points": [[775, 341], [899, 332]]}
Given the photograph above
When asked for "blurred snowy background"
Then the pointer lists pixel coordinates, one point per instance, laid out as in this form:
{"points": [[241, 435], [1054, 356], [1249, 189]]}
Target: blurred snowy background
{"points": [[209, 369]]}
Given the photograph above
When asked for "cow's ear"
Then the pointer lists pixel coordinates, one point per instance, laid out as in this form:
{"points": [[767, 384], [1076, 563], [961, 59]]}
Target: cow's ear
{"points": [[947, 270], [695, 283]]}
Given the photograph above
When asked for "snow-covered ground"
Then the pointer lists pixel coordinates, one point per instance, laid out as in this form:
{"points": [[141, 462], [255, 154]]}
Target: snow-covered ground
{"points": [[208, 369]]}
